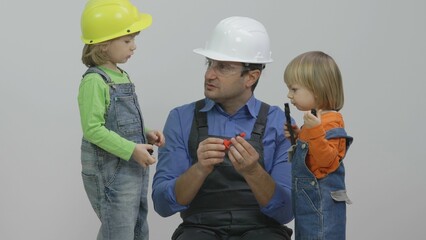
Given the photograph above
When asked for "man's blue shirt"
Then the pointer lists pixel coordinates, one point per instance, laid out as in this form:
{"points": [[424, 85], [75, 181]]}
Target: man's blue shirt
{"points": [[174, 158]]}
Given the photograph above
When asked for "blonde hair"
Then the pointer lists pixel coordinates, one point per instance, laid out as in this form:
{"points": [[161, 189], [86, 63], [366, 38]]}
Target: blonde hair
{"points": [[319, 73], [95, 54]]}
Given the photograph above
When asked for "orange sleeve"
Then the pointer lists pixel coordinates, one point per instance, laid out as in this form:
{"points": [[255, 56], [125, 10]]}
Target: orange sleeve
{"points": [[324, 155]]}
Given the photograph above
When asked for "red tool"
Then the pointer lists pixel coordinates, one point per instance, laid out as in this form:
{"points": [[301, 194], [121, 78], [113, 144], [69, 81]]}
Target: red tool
{"points": [[228, 143]]}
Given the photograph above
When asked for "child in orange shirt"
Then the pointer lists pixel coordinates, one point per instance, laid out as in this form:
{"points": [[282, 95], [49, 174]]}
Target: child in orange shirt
{"points": [[319, 195]]}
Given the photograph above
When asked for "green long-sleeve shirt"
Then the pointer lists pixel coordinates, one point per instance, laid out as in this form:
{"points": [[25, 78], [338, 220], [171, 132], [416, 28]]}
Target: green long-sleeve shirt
{"points": [[93, 102]]}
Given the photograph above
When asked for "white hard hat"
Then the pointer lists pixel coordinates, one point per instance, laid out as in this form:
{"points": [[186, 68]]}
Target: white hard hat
{"points": [[238, 39]]}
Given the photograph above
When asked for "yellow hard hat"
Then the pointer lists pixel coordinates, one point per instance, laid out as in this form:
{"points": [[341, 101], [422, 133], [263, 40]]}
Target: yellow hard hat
{"points": [[103, 20]]}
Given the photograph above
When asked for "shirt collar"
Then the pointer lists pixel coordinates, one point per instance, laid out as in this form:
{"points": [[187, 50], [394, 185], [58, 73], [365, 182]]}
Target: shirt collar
{"points": [[251, 106]]}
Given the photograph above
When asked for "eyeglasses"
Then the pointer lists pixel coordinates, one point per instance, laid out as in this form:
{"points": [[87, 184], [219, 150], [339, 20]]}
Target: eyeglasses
{"points": [[224, 68]]}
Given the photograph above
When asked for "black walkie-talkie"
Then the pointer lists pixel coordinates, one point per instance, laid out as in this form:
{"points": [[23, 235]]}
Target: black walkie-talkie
{"points": [[289, 127]]}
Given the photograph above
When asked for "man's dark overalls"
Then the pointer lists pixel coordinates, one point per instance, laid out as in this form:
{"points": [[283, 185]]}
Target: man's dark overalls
{"points": [[225, 207]]}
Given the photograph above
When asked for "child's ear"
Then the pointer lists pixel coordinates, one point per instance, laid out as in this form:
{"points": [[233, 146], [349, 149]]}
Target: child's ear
{"points": [[104, 47]]}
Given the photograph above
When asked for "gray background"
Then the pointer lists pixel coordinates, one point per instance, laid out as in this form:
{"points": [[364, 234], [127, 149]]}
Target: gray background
{"points": [[379, 46]]}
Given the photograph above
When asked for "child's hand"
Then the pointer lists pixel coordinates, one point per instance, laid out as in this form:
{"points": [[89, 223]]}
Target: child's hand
{"points": [[142, 156], [295, 131], [156, 137], [311, 120]]}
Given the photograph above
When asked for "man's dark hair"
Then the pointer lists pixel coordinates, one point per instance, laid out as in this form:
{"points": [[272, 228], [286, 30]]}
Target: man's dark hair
{"points": [[250, 67]]}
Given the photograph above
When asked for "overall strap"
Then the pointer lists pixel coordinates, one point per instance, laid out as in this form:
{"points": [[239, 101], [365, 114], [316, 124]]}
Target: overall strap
{"points": [[99, 71], [260, 125], [128, 77], [201, 118], [199, 128], [339, 133]]}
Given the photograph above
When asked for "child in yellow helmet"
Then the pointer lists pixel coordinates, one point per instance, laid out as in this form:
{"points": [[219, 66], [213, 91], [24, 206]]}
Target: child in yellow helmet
{"points": [[116, 148]]}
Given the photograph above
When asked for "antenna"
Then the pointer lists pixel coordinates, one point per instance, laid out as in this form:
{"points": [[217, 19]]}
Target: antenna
{"points": [[289, 127]]}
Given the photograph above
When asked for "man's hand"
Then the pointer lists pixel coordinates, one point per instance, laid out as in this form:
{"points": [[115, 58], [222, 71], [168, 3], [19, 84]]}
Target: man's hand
{"points": [[210, 152], [243, 156]]}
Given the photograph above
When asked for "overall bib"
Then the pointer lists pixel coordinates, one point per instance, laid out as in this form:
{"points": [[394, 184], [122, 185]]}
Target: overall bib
{"points": [[225, 205], [319, 205], [117, 189]]}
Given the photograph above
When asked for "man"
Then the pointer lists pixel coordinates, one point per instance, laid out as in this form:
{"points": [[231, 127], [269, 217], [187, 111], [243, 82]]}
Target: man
{"points": [[224, 167]]}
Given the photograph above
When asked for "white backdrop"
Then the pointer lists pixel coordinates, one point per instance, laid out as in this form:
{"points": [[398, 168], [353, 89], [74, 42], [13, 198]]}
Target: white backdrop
{"points": [[379, 46]]}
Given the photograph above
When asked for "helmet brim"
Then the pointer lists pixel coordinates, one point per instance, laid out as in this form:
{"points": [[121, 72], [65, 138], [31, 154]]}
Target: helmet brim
{"points": [[143, 22], [222, 57]]}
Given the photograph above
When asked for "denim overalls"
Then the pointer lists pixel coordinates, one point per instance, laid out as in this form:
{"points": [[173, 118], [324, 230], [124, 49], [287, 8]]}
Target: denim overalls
{"points": [[225, 205], [117, 189], [319, 205]]}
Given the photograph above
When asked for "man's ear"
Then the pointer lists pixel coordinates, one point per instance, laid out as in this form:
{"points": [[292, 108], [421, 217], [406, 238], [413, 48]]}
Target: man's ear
{"points": [[253, 76]]}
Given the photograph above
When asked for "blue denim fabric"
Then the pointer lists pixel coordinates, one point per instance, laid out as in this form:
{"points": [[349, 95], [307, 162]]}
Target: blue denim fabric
{"points": [[117, 189], [319, 205]]}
